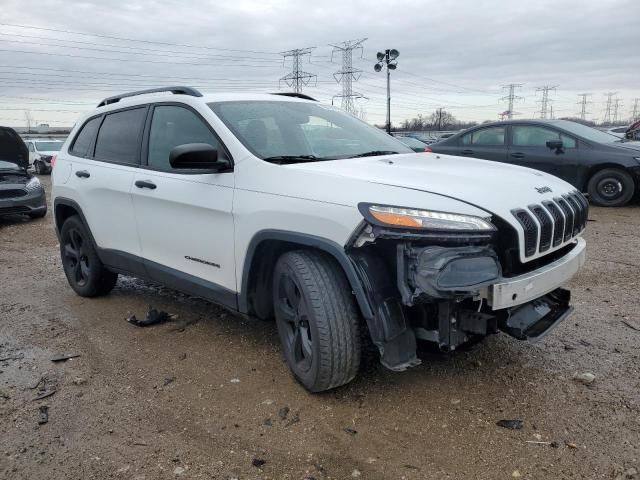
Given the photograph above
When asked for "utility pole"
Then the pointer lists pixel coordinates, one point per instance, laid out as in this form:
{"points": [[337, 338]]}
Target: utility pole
{"points": [[297, 78], [635, 113], [511, 98], [607, 109], [348, 74], [439, 119], [388, 59], [616, 108], [582, 101], [544, 103]]}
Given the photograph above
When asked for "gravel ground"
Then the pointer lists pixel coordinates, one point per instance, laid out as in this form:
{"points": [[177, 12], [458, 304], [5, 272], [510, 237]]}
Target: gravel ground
{"points": [[204, 396]]}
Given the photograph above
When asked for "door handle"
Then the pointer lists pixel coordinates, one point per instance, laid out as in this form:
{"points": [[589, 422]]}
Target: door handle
{"points": [[82, 174], [467, 152], [517, 155], [145, 184]]}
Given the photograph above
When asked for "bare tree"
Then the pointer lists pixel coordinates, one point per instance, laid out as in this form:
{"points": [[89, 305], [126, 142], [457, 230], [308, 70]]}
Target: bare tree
{"points": [[29, 119]]}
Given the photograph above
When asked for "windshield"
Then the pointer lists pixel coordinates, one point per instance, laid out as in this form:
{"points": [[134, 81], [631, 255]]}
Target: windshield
{"points": [[8, 165], [48, 146], [587, 133], [275, 129]]}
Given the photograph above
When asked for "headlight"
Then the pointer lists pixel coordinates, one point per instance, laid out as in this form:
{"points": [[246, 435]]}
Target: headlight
{"points": [[425, 219], [34, 184]]}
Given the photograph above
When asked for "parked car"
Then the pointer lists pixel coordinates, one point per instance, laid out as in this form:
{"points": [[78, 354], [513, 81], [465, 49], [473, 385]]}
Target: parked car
{"points": [[226, 197], [592, 161], [20, 192], [42, 154], [413, 143]]}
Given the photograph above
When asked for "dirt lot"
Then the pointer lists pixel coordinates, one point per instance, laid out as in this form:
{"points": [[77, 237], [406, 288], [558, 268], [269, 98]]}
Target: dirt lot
{"points": [[203, 396]]}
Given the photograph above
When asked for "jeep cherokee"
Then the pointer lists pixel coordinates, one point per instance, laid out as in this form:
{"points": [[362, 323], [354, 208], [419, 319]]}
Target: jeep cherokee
{"points": [[276, 206]]}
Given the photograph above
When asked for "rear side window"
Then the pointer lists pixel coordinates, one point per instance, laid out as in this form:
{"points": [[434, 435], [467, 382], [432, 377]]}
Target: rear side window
{"points": [[486, 136], [119, 136], [83, 140], [534, 136]]}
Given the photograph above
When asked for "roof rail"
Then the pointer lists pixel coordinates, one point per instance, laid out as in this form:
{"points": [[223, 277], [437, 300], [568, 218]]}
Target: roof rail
{"points": [[295, 95], [175, 90]]}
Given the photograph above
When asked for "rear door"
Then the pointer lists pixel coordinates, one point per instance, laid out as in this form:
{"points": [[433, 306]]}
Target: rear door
{"points": [[529, 149], [105, 155], [489, 143], [184, 218]]}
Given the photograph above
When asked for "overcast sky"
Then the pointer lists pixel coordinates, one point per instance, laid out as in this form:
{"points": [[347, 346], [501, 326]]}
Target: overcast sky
{"points": [[453, 54]]}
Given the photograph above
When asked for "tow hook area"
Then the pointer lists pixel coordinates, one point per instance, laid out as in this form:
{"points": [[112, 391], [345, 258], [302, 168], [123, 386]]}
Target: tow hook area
{"points": [[535, 319]]}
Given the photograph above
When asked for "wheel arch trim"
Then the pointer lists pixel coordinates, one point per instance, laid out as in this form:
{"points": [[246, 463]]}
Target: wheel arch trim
{"points": [[304, 240]]}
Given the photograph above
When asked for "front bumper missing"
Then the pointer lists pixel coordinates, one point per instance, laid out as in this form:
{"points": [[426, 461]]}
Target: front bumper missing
{"points": [[524, 288]]}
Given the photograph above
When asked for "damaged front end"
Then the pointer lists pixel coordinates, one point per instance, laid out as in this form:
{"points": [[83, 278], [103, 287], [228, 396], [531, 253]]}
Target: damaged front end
{"points": [[436, 286]]}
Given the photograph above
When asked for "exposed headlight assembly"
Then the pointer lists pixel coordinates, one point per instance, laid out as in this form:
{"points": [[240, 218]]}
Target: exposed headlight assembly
{"points": [[33, 184], [425, 219]]}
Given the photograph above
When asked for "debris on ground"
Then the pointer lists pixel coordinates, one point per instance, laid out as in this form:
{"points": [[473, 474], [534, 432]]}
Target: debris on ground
{"points": [[153, 317], [258, 462], [356, 473], [44, 395], [168, 380], [4, 394], [44, 415], [79, 381], [19, 356], [350, 431], [179, 470], [631, 324], [182, 356], [293, 420], [283, 412], [510, 424], [516, 474], [267, 422], [571, 445], [584, 378], [64, 358], [235, 380]]}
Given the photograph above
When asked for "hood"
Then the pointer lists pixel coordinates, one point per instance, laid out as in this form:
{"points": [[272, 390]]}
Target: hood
{"points": [[12, 148], [491, 186]]}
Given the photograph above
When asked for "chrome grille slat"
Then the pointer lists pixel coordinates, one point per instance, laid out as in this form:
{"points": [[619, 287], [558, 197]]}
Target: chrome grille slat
{"points": [[552, 223]]}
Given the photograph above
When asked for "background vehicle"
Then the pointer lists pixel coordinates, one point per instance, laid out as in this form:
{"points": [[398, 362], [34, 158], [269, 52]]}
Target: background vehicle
{"points": [[42, 153], [20, 192], [233, 202], [413, 143], [618, 131], [592, 161]]}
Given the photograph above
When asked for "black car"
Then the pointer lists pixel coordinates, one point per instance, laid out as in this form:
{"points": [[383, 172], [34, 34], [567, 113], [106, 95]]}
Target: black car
{"points": [[20, 192], [595, 162]]}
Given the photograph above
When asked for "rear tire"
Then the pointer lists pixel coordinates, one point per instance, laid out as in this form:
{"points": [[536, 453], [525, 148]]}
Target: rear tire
{"points": [[85, 272], [611, 187], [317, 319]]}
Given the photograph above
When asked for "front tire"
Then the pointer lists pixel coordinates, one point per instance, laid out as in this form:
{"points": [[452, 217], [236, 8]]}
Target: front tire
{"points": [[37, 167], [317, 319], [85, 272], [611, 187]]}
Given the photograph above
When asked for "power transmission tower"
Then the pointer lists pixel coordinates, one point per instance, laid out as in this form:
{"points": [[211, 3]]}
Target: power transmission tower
{"points": [[348, 74], [583, 101], [635, 112], [297, 78], [607, 108], [616, 107], [511, 98], [544, 103]]}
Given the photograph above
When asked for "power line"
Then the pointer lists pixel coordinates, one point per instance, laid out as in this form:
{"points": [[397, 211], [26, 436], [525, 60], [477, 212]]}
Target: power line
{"points": [[511, 98], [616, 108], [348, 74], [544, 102], [635, 112], [297, 78], [583, 101]]}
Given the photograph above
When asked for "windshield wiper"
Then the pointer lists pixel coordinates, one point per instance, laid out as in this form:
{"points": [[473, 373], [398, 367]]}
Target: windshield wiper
{"points": [[374, 153], [283, 159]]}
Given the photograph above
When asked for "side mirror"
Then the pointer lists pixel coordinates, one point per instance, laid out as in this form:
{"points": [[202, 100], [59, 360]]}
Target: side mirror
{"points": [[196, 156], [555, 145]]}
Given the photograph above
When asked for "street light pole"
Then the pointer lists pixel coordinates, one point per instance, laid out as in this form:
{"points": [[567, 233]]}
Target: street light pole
{"points": [[388, 60]]}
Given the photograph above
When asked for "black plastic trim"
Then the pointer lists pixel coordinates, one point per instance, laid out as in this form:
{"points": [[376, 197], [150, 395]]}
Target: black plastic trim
{"points": [[295, 95], [302, 239], [177, 90]]}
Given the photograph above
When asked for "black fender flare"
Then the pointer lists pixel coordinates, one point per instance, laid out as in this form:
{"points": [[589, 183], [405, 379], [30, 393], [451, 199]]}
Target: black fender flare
{"points": [[73, 204], [332, 248]]}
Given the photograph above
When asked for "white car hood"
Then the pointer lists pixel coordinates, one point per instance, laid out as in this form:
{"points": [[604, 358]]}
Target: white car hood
{"points": [[491, 186]]}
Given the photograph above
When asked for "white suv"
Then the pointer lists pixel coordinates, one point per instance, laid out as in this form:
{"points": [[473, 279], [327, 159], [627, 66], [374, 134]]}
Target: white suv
{"points": [[276, 206]]}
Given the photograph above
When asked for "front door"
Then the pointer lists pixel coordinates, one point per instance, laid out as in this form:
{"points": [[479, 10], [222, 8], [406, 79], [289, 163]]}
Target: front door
{"points": [[184, 218], [529, 149]]}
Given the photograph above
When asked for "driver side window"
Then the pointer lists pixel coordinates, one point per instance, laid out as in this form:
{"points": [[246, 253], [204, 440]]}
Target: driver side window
{"points": [[534, 136], [486, 136]]}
